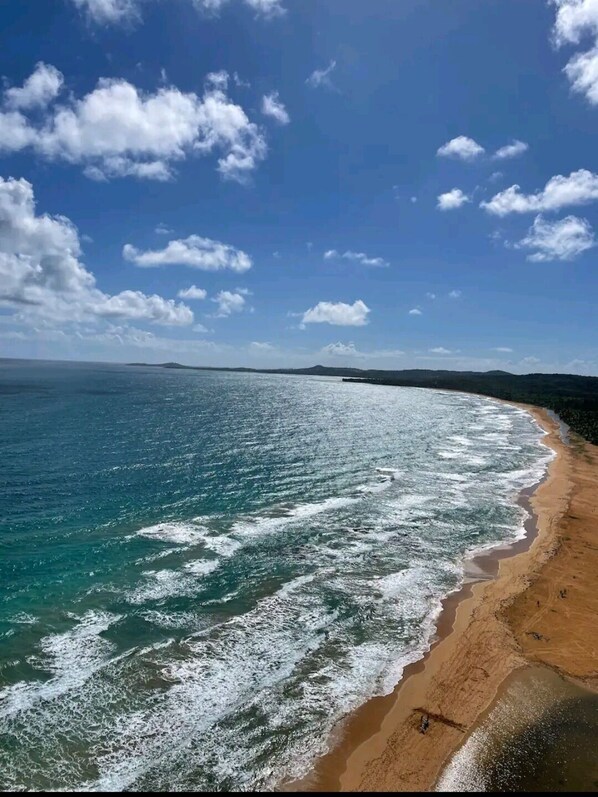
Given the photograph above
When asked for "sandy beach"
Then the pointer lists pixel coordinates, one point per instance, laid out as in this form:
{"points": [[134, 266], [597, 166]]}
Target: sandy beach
{"points": [[534, 602]]}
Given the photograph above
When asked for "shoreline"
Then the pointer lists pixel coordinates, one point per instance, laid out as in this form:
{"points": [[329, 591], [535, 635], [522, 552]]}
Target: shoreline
{"points": [[476, 647]]}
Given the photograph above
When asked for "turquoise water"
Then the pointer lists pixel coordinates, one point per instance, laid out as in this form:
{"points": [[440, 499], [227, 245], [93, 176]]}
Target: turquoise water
{"points": [[201, 573]]}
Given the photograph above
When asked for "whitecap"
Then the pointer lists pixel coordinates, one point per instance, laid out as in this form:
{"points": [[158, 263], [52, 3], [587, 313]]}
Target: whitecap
{"points": [[71, 657]]}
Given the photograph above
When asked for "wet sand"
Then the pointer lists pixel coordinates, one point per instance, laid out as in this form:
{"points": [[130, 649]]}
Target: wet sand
{"points": [[534, 601], [541, 735]]}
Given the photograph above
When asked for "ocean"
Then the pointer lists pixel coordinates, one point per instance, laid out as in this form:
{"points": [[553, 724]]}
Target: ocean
{"points": [[202, 573]]}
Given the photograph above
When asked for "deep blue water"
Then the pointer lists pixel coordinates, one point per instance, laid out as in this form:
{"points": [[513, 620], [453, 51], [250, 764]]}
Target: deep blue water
{"points": [[201, 572]]}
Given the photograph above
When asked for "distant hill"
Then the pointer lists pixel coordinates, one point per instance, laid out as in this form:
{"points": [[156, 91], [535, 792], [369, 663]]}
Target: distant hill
{"points": [[574, 398]]}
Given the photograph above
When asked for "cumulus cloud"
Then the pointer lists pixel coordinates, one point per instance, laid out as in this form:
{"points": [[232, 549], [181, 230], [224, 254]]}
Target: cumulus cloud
{"points": [[338, 314], [349, 350], [415, 311], [452, 199], [272, 106], [454, 294], [195, 252], [560, 240], [439, 350], [341, 350], [357, 257], [117, 130], [40, 88], [42, 276], [582, 71], [576, 20], [162, 229], [192, 293], [512, 150], [321, 77], [579, 188], [229, 303], [462, 147]]}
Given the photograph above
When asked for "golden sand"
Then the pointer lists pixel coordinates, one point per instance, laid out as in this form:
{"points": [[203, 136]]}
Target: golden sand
{"points": [[540, 607]]}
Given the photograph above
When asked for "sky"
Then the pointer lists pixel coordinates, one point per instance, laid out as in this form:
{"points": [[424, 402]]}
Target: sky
{"points": [[281, 183]]}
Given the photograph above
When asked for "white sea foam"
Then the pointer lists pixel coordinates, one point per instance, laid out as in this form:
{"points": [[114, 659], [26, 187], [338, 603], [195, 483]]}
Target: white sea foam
{"points": [[460, 440], [71, 657], [23, 618], [189, 621], [157, 585], [177, 532], [201, 567], [237, 702], [265, 524]]}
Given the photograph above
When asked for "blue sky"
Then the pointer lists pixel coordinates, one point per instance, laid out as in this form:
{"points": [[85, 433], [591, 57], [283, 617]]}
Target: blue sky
{"points": [[332, 179]]}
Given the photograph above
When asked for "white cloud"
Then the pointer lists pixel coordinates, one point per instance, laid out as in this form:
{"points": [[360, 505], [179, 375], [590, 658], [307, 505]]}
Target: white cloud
{"points": [[530, 361], [440, 350], [40, 88], [228, 303], [42, 277], [338, 314], [162, 229], [192, 293], [271, 106], [452, 199], [415, 311], [579, 188], [266, 8], [576, 20], [341, 350], [114, 12], [108, 12], [321, 77], [454, 294], [136, 306], [117, 130], [195, 252], [126, 336], [462, 147], [511, 150], [503, 349], [349, 350], [560, 240], [430, 295], [582, 71], [261, 347], [357, 257]]}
